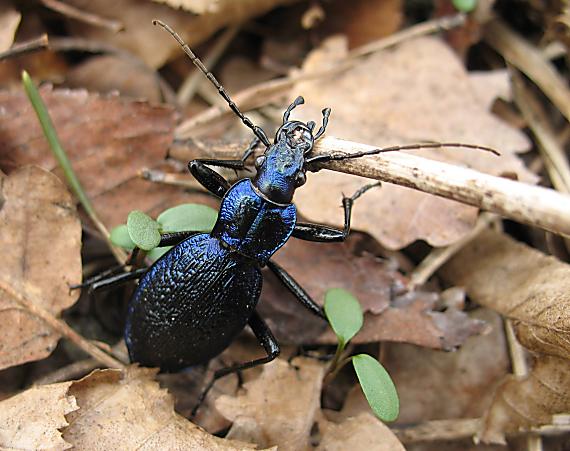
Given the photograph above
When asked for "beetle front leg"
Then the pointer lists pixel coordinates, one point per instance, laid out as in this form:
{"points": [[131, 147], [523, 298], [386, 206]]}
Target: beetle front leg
{"points": [[264, 337], [297, 290], [210, 179], [325, 234]]}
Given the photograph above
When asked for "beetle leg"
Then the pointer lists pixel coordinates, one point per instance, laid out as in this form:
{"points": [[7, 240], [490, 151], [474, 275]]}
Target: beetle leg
{"points": [[264, 337], [297, 290], [210, 179], [117, 280], [172, 239], [325, 234]]}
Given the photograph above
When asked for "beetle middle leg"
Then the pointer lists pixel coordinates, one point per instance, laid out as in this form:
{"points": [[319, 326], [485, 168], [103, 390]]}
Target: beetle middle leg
{"points": [[264, 337], [321, 233], [297, 290]]}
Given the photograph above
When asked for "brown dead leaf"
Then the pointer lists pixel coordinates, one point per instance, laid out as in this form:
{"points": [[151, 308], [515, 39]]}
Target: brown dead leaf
{"points": [[360, 433], [362, 21], [520, 283], [108, 140], [279, 407], [33, 419], [109, 73], [153, 45], [379, 287], [9, 21], [523, 403], [417, 92], [129, 411], [195, 6], [436, 385], [40, 237]]}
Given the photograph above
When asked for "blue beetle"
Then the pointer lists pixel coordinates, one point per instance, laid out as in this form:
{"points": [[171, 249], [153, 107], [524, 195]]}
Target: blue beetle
{"points": [[193, 301]]}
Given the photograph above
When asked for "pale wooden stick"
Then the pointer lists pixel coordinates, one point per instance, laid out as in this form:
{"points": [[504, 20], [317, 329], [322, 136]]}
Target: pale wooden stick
{"points": [[533, 205]]}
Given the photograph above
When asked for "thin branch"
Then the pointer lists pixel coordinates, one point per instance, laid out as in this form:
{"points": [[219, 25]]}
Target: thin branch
{"points": [[21, 48], [529, 60], [439, 256], [83, 16], [532, 205], [32, 304]]}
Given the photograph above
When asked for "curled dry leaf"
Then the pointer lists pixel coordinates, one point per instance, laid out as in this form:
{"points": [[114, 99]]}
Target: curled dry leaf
{"points": [[379, 288], [520, 283], [129, 411], [520, 404], [40, 238], [107, 139], [532, 288], [418, 92], [279, 407], [360, 433], [33, 419], [153, 45]]}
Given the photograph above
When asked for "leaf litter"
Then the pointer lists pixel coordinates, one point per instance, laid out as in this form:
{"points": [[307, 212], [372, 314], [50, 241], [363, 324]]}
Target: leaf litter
{"points": [[417, 91]]}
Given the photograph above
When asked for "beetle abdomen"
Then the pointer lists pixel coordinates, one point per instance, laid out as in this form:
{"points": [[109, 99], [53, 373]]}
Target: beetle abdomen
{"points": [[190, 304]]}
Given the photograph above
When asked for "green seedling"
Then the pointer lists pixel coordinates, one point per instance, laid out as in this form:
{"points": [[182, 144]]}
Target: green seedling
{"points": [[144, 232], [345, 317]]}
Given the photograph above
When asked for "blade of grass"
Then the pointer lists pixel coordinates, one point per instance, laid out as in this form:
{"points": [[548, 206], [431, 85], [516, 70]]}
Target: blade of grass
{"points": [[61, 157]]}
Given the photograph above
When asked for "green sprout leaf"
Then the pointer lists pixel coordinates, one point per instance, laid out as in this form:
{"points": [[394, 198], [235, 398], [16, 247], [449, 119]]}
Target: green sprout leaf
{"points": [[200, 218], [157, 252], [120, 237], [344, 314], [464, 6], [143, 230], [377, 386]]}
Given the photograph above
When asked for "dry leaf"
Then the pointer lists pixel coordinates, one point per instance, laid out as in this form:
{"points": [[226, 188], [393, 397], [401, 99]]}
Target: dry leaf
{"points": [[443, 385], [195, 6], [378, 286], [417, 92], [108, 140], [520, 283], [361, 433], [33, 419], [108, 73], [362, 21], [279, 407], [129, 411], [9, 21], [523, 403], [40, 238], [491, 85], [154, 45]]}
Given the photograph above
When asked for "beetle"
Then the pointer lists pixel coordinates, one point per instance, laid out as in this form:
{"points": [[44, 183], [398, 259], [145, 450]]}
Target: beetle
{"points": [[194, 300]]}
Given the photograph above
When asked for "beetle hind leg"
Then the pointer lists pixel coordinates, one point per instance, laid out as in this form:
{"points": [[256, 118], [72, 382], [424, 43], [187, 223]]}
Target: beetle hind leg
{"points": [[264, 337]]}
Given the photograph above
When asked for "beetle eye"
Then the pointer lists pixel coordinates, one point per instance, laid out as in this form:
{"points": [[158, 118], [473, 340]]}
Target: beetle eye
{"points": [[300, 179], [259, 161]]}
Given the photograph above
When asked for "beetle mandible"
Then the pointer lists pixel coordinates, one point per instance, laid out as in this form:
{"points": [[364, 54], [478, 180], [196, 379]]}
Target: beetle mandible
{"points": [[193, 301]]}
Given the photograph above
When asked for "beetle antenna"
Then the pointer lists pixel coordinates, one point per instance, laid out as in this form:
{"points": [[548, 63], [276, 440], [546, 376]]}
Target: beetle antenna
{"points": [[258, 131], [326, 114], [364, 153], [298, 101], [311, 125]]}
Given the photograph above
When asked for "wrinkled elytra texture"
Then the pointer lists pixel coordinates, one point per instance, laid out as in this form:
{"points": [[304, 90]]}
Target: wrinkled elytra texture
{"points": [[40, 238], [193, 301]]}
